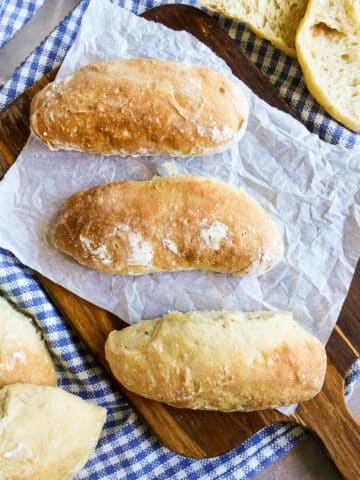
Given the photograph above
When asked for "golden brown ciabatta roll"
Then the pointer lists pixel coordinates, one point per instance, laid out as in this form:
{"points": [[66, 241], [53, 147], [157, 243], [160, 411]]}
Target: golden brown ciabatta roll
{"points": [[140, 106], [46, 433], [24, 357], [170, 223], [227, 361]]}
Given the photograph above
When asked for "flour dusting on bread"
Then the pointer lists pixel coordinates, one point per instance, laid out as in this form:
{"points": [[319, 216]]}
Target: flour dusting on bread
{"points": [[214, 234], [98, 251], [141, 251], [21, 450], [171, 246], [20, 356], [170, 223]]}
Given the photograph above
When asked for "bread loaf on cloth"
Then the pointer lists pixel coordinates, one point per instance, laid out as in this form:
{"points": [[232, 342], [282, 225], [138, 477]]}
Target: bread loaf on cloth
{"points": [[228, 361], [328, 47], [45, 432], [24, 357], [171, 223], [274, 20], [140, 106]]}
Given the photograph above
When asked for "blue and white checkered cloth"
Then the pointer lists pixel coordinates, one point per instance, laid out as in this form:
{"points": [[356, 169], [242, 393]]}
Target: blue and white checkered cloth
{"points": [[127, 448], [14, 14]]}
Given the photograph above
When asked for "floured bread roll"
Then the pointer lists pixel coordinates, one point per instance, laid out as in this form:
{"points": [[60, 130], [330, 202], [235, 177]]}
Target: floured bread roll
{"points": [[140, 106], [274, 20], [24, 357], [228, 361], [170, 223], [45, 432], [328, 46]]}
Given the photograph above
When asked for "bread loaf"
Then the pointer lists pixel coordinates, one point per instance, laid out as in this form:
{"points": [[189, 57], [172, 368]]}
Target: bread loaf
{"points": [[328, 45], [140, 107], [171, 223], [24, 357], [228, 361], [274, 20], [46, 433]]}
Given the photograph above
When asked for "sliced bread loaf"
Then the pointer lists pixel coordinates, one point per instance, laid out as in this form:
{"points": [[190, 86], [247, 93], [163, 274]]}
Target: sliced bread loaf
{"points": [[328, 48], [274, 20]]}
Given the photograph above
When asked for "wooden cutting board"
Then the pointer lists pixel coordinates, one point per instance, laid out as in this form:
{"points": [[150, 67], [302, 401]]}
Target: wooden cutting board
{"points": [[195, 433]]}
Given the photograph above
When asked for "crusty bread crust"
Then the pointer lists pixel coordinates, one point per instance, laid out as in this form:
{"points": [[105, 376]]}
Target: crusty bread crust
{"points": [[24, 357], [170, 223], [140, 107], [227, 361], [46, 433]]}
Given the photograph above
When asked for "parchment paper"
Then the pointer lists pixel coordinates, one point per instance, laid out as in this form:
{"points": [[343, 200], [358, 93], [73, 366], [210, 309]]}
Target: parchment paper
{"points": [[309, 187]]}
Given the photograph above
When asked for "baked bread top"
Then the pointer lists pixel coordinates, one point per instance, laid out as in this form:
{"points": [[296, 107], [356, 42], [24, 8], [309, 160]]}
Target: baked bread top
{"points": [[140, 106], [169, 223], [274, 20]]}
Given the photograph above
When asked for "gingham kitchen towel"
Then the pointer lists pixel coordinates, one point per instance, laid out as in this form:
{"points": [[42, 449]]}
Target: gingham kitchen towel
{"points": [[14, 14], [127, 448]]}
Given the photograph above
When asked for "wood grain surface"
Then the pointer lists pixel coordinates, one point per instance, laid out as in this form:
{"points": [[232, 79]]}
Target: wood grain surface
{"points": [[196, 433]]}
